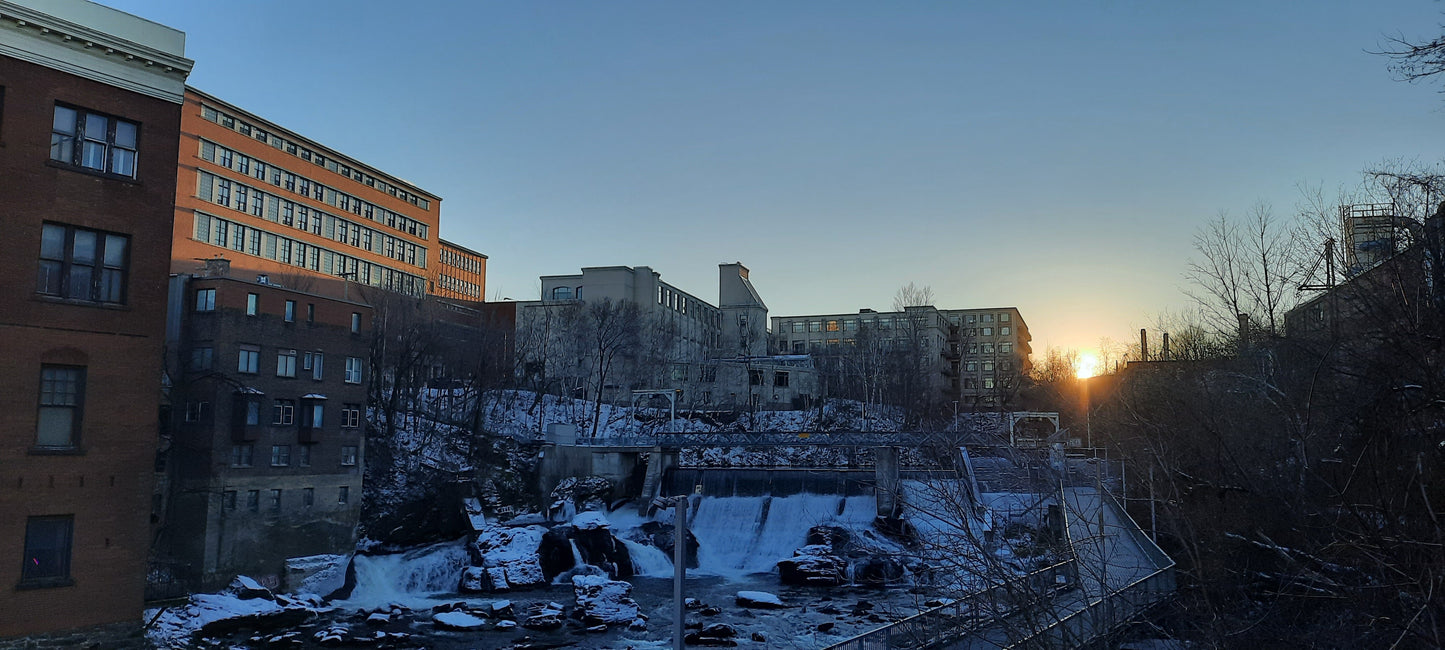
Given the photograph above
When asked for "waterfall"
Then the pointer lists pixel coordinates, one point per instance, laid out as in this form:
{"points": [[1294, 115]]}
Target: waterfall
{"points": [[648, 560], [740, 535], [576, 554], [409, 577]]}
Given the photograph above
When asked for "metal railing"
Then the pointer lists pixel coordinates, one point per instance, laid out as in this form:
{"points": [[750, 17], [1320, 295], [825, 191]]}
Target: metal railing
{"points": [[932, 627], [777, 438]]}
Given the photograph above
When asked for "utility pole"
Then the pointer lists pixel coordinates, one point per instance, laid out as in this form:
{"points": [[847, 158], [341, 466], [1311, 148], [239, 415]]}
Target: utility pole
{"points": [[679, 568]]}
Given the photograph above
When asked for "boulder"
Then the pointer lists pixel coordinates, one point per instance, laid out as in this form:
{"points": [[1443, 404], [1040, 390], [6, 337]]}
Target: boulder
{"points": [[758, 600], [813, 566], [247, 588], [598, 547], [877, 570], [716, 635], [510, 556], [474, 580], [659, 535], [555, 553], [603, 601]]}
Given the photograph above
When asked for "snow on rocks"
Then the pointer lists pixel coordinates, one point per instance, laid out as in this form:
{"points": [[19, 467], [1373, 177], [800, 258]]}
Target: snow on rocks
{"points": [[603, 601], [457, 621], [316, 574], [759, 600], [813, 565], [590, 520], [510, 558], [217, 614]]}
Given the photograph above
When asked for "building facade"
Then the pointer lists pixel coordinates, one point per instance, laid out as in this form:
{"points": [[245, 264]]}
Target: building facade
{"points": [[974, 357], [90, 103], [460, 273], [278, 204], [716, 356], [266, 448]]}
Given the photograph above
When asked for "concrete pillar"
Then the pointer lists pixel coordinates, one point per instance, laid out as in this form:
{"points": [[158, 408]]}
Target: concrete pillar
{"points": [[885, 468]]}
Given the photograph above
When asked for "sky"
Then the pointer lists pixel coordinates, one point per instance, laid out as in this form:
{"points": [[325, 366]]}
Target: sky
{"points": [[1053, 156]]}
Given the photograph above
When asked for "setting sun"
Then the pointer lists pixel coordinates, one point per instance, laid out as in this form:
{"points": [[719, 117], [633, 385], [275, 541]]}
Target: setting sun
{"points": [[1087, 366]]}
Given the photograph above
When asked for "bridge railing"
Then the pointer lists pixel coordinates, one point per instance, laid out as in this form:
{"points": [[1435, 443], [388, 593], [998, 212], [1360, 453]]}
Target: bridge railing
{"points": [[941, 624]]}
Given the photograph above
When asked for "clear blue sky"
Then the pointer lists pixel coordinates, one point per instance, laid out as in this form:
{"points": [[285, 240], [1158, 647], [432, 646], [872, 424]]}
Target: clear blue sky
{"points": [[1051, 156]]}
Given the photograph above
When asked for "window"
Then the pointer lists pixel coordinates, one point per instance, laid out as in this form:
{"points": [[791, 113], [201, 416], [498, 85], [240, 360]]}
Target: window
{"points": [[988, 382], [988, 366], [241, 455], [971, 366], [353, 370], [202, 358], [832, 326], [350, 416], [290, 314], [780, 378], [249, 359], [1004, 318], [348, 455], [228, 498], [988, 348], [275, 501], [815, 326], [988, 318], [303, 455], [355, 323], [47, 551], [82, 264], [310, 312], [62, 403], [280, 455], [798, 327], [343, 494], [988, 331], [308, 497], [286, 363], [205, 300], [283, 412], [313, 415], [708, 374], [312, 362], [560, 293], [1003, 331], [253, 304], [94, 141], [1005, 347], [196, 411], [755, 378], [799, 347]]}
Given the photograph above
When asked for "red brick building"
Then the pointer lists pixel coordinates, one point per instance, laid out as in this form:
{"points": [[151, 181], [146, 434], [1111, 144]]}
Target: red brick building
{"points": [[90, 105], [265, 449]]}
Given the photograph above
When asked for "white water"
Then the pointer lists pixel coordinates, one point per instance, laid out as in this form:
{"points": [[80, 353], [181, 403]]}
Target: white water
{"points": [[409, 577], [648, 560], [740, 535]]}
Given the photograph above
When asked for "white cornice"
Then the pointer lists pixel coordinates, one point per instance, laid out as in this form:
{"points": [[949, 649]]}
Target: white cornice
{"points": [[30, 35]]}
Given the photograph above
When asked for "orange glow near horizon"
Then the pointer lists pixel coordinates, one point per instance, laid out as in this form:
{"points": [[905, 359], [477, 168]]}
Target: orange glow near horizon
{"points": [[1087, 365]]}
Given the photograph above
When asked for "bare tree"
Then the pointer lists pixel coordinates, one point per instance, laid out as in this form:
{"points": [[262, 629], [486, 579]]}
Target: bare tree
{"points": [[1249, 267], [610, 332]]}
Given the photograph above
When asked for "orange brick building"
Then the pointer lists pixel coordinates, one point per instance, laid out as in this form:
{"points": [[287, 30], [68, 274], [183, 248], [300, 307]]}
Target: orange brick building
{"points": [[461, 273], [277, 204], [90, 99]]}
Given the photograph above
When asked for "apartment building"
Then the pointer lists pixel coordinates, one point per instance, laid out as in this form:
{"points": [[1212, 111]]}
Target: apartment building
{"points": [[278, 204], [717, 356], [90, 104], [460, 273], [972, 356], [266, 448]]}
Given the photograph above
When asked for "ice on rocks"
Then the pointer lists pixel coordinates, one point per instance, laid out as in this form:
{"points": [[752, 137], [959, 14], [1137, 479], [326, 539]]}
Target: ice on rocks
{"points": [[759, 599], [510, 556], [457, 621], [604, 601], [590, 520]]}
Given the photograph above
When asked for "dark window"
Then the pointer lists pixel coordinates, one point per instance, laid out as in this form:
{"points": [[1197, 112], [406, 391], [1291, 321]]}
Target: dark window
{"points": [[94, 141], [308, 497], [202, 358], [249, 359], [253, 500], [286, 363], [280, 455], [82, 264], [47, 551], [355, 323], [283, 412], [348, 455], [241, 455], [350, 416], [62, 404], [780, 378], [229, 499], [290, 315], [343, 494], [303, 456], [755, 377], [275, 501]]}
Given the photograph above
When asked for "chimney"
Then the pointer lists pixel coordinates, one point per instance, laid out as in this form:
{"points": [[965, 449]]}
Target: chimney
{"points": [[1166, 346], [1143, 344]]}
